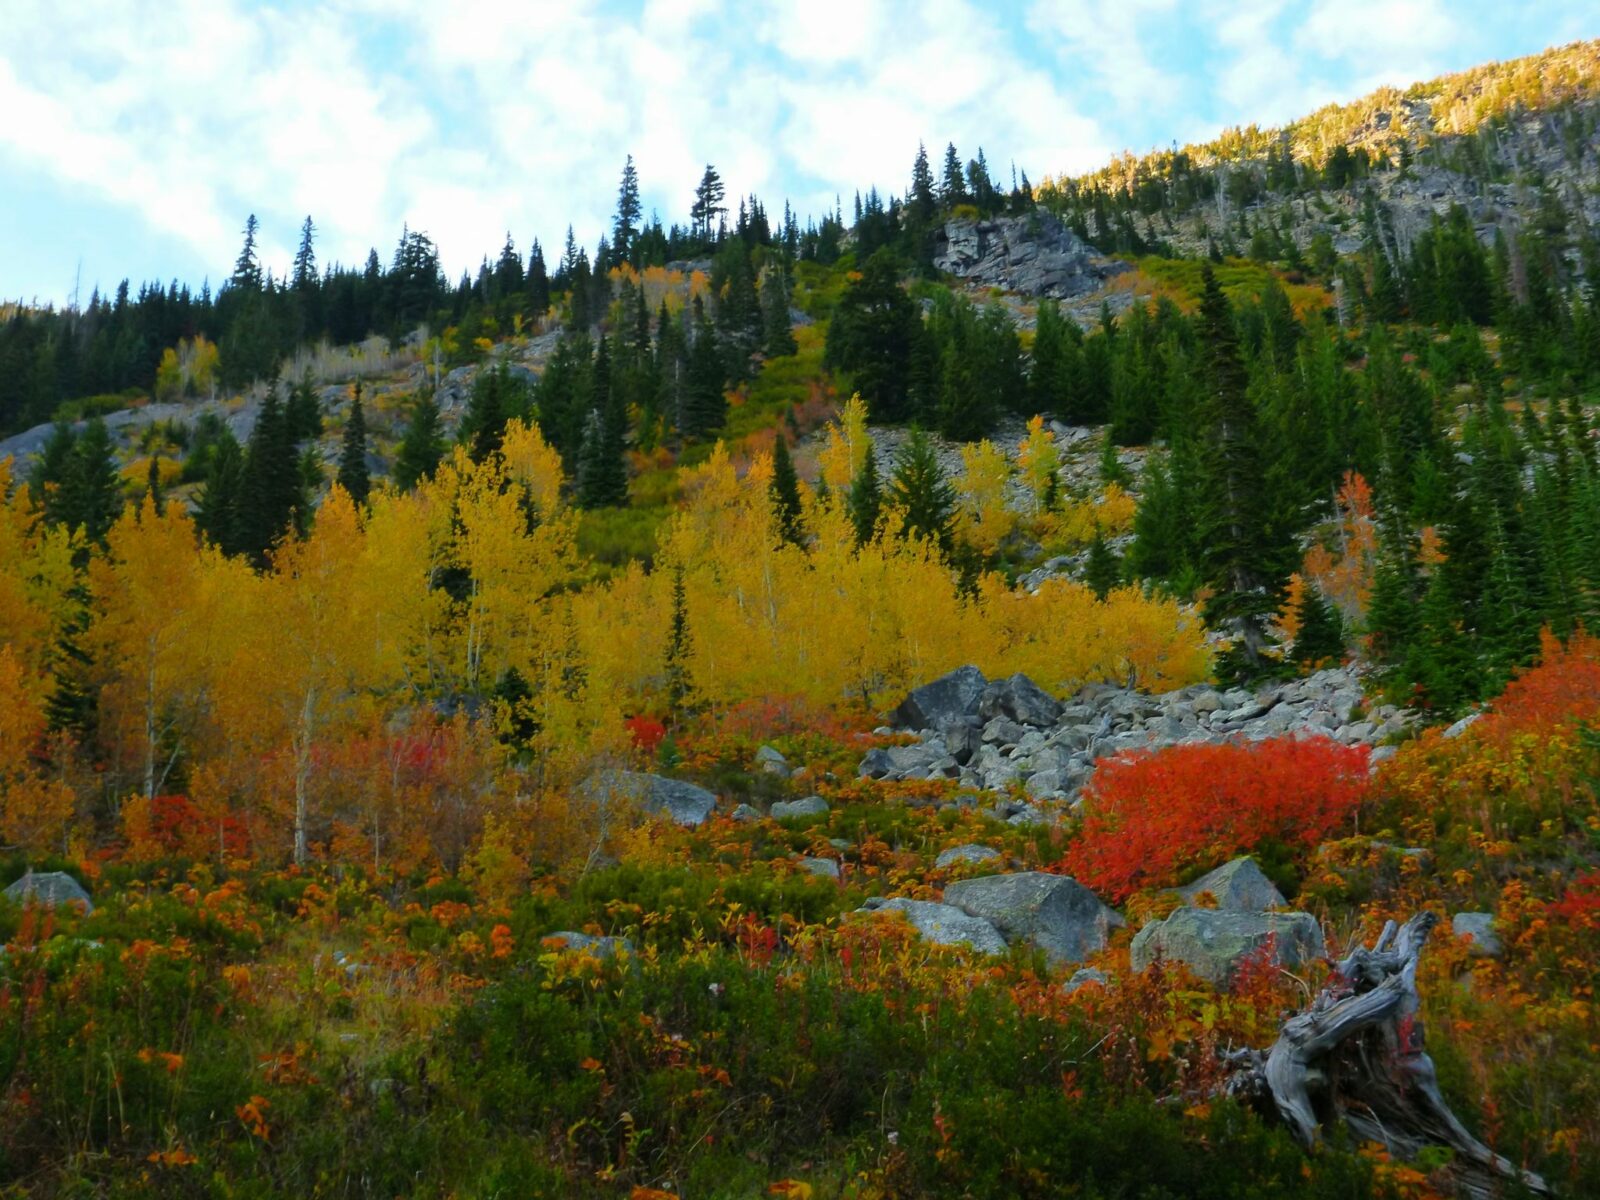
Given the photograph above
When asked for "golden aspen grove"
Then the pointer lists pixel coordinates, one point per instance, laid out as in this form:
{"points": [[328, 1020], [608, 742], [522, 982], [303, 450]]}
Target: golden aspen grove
{"points": [[1087, 688]]}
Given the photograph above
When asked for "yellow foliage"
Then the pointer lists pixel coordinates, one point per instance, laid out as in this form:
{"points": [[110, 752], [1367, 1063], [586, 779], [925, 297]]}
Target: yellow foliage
{"points": [[847, 447], [1039, 460], [983, 518]]}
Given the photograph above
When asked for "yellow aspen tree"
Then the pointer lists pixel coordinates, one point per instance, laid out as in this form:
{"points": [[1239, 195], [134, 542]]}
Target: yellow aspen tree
{"points": [[983, 518], [1039, 461], [847, 447]]}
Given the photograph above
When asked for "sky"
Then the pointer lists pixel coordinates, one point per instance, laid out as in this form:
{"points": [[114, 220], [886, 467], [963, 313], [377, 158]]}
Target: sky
{"points": [[135, 136]]}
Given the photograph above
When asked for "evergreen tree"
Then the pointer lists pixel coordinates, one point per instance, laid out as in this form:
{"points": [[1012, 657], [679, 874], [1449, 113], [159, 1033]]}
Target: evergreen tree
{"points": [[152, 485], [923, 203], [778, 335], [304, 277], [90, 495], [217, 508], [871, 337], [922, 492], [537, 283], [707, 205], [1321, 633], [1242, 553], [247, 267], [602, 471], [353, 476], [864, 503], [73, 702], [271, 495], [953, 187], [1103, 570], [705, 402], [625, 227], [483, 425], [678, 648], [303, 413], [421, 447], [784, 491]]}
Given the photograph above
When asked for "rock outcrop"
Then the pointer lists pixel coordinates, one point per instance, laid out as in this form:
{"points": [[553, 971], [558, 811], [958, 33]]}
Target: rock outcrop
{"points": [[1238, 885], [49, 889], [943, 924], [1035, 254], [686, 804]]}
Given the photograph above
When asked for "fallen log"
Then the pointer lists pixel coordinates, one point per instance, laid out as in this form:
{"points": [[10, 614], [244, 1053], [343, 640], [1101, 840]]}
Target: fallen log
{"points": [[1355, 1057]]}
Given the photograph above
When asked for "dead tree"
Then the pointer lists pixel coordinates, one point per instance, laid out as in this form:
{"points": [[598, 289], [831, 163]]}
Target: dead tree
{"points": [[1356, 1057]]}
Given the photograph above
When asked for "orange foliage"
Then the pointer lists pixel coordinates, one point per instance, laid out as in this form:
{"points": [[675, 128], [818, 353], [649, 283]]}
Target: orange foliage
{"points": [[1346, 577], [1151, 815]]}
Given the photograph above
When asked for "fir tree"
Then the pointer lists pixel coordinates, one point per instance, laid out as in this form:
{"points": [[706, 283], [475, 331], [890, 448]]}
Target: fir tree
{"points": [[678, 648], [784, 491], [705, 403], [353, 476], [778, 335], [602, 473], [90, 495], [625, 227], [421, 447], [217, 508], [922, 492], [152, 485], [1321, 633], [73, 702], [864, 502], [271, 495], [483, 425], [1241, 553], [1103, 569]]}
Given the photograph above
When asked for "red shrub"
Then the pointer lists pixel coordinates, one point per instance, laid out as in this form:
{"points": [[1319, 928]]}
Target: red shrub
{"points": [[646, 732], [1151, 814]]}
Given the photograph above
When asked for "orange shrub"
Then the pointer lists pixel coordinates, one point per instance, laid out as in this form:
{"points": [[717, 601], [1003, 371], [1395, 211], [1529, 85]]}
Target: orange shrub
{"points": [[1150, 815]]}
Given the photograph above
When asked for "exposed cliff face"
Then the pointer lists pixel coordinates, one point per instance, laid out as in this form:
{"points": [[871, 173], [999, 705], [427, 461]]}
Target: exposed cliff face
{"points": [[1036, 255]]}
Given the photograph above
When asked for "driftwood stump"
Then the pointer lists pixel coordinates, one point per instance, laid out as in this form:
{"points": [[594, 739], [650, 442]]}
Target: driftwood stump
{"points": [[1356, 1057]]}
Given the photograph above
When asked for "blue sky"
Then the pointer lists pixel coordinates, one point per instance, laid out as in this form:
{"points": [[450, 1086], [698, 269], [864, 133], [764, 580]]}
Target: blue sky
{"points": [[136, 136]]}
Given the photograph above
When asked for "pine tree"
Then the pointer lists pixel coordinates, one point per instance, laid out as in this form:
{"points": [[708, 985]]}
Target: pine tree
{"points": [[705, 403], [625, 227], [864, 502], [304, 277], [922, 492], [91, 492], [602, 472], [271, 497], [152, 485], [421, 447], [707, 205], [483, 425], [217, 508], [1111, 469], [1321, 633], [778, 335], [353, 476], [537, 283], [1103, 570], [953, 187], [303, 413], [921, 196], [73, 702], [247, 268], [678, 648], [1242, 554], [784, 491]]}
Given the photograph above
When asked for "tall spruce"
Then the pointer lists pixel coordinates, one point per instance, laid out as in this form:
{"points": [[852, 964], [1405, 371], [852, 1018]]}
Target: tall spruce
{"points": [[784, 492], [864, 502], [422, 445], [353, 475], [924, 496]]}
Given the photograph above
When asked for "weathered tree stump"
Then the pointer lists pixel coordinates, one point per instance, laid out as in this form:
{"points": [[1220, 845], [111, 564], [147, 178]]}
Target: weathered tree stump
{"points": [[1356, 1057]]}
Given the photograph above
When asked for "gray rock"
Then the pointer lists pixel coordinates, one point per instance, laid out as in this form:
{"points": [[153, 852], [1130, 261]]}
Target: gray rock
{"points": [[1035, 254], [827, 868], [962, 741], [746, 813], [1054, 912], [876, 764], [1085, 977], [1044, 785], [1020, 699], [773, 763], [948, 700], [1478, 926], [49, 889], [686, 803], [1003, 731], [1212, 942], [811, 806], [1238, 885], [1461, 726], [969, 853], [943, 924], [1029, 816], [600, 947]]}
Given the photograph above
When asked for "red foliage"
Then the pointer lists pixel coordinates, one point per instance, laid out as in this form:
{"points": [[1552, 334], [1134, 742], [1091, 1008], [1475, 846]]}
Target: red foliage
{"points": [[1149, 815], [178, 825], [1579, 906], [646, 733], [1563, 690]]}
